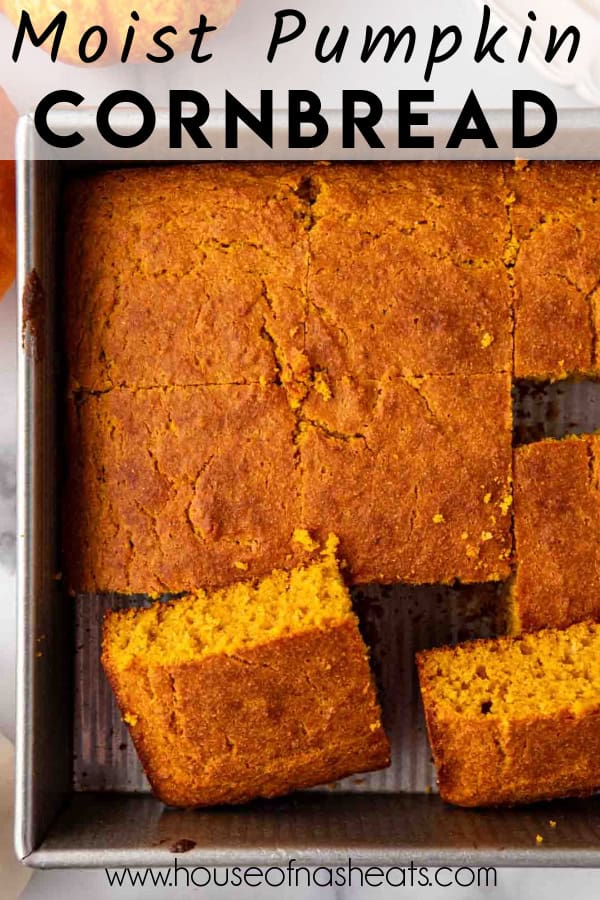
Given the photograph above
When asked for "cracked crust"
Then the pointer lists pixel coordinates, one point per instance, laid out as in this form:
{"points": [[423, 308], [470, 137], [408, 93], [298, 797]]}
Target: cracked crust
{"points": [[186, 275], [410, 476], [557, 523], [556, 231], [174, 488], [291, 713], [403, 278], [159, 487]]}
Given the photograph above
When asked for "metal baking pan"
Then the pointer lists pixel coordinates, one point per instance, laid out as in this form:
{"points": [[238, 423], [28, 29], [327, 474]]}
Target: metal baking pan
{"points": [[82, 799]]}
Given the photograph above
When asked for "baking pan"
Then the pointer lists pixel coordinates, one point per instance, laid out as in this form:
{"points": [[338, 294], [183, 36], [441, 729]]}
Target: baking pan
{"points": [[82, 799]]}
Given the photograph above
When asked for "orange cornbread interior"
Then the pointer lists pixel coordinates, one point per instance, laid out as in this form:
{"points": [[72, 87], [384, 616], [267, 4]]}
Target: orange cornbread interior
{"points": [[226, 621], [540, 673]]}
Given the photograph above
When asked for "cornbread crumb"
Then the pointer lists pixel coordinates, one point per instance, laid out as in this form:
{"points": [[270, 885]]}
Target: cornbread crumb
{"points": [[250, 691], [438, 518], [539, 839], [487, 340], [242, 566], [494, 708], [551, 823], [321, 385], [487, 498], [487, 536], [301, 536]]}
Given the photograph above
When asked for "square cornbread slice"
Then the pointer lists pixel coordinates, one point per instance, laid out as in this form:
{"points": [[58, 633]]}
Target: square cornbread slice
{"points": [[414, 475], [515, 720], [255, 690], [169, 489], [557, 528], [406, 270], [185, 275], [554, 212]]}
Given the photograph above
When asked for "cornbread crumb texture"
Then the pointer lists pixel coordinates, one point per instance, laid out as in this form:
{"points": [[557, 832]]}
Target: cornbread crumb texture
{"points": [[556, 229], [515, 720], [557, 533], [170, 489], [428, 470], [255, 690]]}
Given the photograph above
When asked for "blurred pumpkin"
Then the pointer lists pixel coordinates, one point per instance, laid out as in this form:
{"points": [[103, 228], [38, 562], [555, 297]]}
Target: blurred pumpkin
{"points": [[115, 17], [8, 239]]}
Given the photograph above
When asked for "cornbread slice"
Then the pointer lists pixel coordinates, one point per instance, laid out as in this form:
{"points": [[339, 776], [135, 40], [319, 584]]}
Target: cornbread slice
{"points": [[404, 278], [515, 720], [414, 475], [557, 534], [171, 489], [185, 275], [555, 219], [252, 691]]}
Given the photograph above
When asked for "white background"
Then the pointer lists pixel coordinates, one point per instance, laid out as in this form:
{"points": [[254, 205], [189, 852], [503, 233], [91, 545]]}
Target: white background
{"points": [[244, 42]]}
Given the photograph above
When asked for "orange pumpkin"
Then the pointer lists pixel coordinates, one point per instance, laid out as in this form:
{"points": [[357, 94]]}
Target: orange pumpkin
{"points": [[115, 17], [8, 239]]}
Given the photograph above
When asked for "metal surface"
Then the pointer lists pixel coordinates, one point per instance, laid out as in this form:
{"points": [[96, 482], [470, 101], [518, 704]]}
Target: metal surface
{"points": [[80, 792]]}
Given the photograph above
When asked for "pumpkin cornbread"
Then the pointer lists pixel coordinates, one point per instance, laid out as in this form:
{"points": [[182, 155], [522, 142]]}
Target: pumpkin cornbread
{"points": [[255, 690], [515, 720], [372, 314], [406, 270], [557, 524], [414, 475], [170, 489], [555, 220], [186, 275]]}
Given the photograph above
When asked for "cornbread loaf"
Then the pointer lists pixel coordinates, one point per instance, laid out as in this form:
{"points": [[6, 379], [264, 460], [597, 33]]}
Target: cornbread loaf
{"points": [[371, 316], [515, 720], [557, 528], [185, 275], [255, 690]]}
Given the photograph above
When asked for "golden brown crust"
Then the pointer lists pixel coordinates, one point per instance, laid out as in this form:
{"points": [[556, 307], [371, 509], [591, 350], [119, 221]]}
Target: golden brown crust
{"points": [[289, 714], [185, 275], [310, 279], [420, 459], [557, 519], [556, 229], [168, 490], [404, 278]]}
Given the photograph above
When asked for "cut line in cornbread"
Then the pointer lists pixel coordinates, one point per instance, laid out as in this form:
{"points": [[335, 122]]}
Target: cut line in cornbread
{"points": [[515, 720], [255, 690], [234, 341], [557, 534]]}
